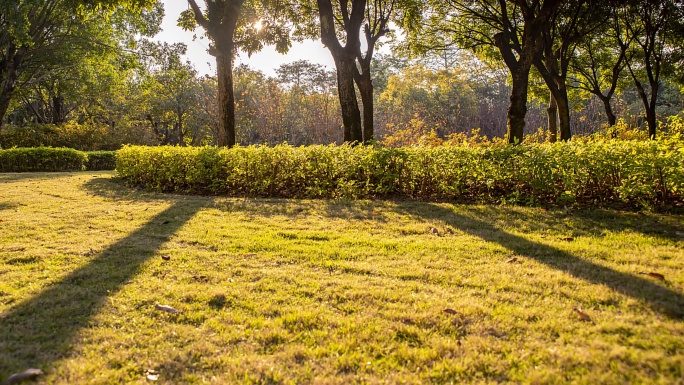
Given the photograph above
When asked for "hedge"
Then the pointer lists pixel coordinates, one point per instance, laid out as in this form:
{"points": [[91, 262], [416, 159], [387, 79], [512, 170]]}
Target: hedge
{"points": [[101, 160], [54, 159], [643, 173]]}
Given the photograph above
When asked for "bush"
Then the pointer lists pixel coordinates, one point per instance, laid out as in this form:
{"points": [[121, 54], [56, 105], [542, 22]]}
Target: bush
{"points": [[641, 173], [101, 160], [84, 137], [42, 159]]}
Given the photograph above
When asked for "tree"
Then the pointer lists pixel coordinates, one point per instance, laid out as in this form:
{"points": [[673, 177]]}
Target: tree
{"points": [[171, 91], [351, 30], [234, 25], [513, 28], [574, 22], [35, 34], [599, 61], [656, 29]]}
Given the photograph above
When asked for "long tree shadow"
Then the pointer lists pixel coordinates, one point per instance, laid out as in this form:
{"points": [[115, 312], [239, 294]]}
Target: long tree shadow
{"points": [[39, 331], [661, 299]]}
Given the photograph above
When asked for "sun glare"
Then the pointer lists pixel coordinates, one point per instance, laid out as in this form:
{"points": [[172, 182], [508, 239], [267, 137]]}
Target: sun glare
{"points": [[258, 25]]}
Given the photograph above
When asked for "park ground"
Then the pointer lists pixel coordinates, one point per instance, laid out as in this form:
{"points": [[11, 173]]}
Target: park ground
{"points": [[318, 291]]}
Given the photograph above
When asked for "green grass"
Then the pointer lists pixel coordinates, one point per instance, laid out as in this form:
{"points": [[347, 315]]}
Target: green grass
{"points": [[285, 291]]}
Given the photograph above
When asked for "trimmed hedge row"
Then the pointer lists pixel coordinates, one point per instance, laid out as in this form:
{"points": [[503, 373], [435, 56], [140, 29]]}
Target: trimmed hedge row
{"points": [[54, 159], [101, 160], [644, 173]]}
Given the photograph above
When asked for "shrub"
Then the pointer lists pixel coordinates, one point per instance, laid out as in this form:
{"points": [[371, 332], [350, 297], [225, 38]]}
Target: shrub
{"points": [[641, 173], [84, 137], [101, 160], [42, 159]]}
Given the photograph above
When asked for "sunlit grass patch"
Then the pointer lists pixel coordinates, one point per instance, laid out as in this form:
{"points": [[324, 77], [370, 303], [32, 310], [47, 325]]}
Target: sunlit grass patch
{"points": [[314, 291]]}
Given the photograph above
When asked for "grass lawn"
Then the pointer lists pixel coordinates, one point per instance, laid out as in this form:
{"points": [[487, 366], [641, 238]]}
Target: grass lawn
{"points": [[326, 292]]}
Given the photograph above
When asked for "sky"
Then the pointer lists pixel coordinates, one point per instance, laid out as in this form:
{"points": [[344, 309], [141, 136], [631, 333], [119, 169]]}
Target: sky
{"points": [[266, 61]]}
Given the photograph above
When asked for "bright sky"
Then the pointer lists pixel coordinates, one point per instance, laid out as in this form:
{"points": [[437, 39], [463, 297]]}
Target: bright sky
{"points": [[267, 60]]}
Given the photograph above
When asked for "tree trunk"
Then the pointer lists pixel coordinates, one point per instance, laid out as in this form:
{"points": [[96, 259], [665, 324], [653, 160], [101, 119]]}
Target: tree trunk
{"points": [[649, 106], [652, 121], [5, 99], [365, 86], [612, 119], [8, 80], [563, 111], [552, 113], [58, 110], [351, 115], [224, 69], [518, 107]]}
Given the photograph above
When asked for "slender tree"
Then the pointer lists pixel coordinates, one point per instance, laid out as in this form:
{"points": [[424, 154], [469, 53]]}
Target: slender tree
{"points": [[234, 25], [514, 28], [656, 28]]}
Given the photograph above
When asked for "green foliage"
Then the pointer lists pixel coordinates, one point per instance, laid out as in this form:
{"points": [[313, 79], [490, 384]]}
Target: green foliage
{"points": [[84, 137], [101, 160], [42, 159], [601, 172]]}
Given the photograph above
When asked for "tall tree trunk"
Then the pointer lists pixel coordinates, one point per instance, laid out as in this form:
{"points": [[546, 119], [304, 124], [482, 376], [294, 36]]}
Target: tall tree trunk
{"points": [[351, 115], [563, 111], [224, 70], [612, 119], [552, 113], [365, 85], [58, 110], [518, 107], [649, 106], [8, 81]]}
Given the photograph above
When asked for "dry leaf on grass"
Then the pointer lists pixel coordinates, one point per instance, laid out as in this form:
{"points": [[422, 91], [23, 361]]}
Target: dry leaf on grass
{"points": [[434, 231], [166, 257], [167, 309], [450, 311], [152, 375], [28, 374], [657, 276], [568, 239], [512, 260], [582, 315]]}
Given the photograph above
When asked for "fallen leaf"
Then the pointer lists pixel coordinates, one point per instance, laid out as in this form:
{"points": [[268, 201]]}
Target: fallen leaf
{"points": [[28, 374], [90, 252], [166, 257], [450, 311], [166, 222], [568, 239], [434, 231], [249, 255], [582, 315], [167, 309], [108, 212], [512, 260], [653, 275], [152, 375], [201, 278]]}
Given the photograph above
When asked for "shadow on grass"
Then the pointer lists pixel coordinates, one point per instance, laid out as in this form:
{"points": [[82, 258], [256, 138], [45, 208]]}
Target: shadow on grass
{"points": [[41, 330], [7, 206], [659, 298], [19, 176]]}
